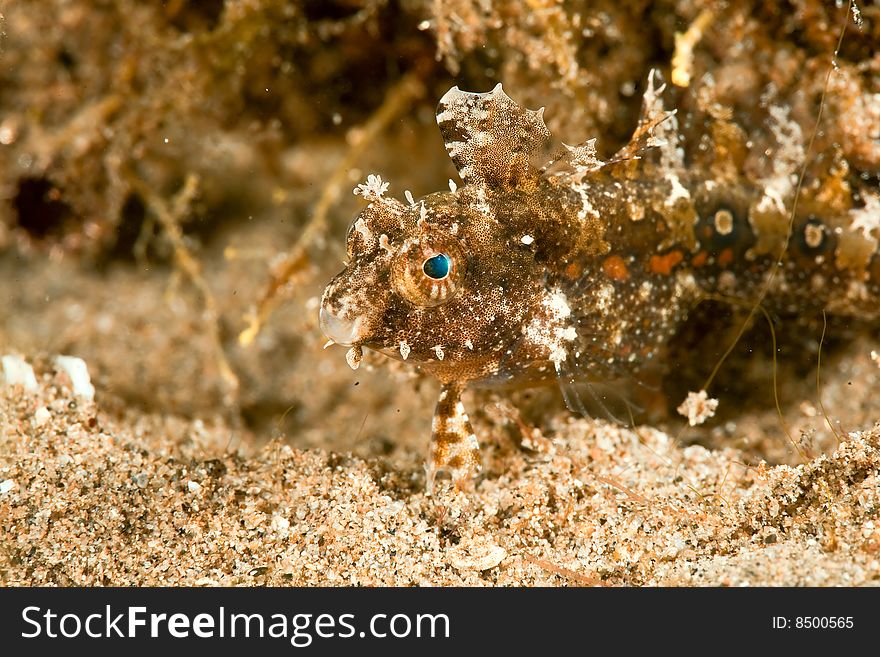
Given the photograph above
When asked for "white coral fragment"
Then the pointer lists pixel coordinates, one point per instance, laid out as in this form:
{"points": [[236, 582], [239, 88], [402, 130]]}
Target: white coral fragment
{"points": [[866, 219], [685, 42], [78, 372], [677, 191], [698, 407], [41, 416], [788, 156], [16, 371], [373, 189]]}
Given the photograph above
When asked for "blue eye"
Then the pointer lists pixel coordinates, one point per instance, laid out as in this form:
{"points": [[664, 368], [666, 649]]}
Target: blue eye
{"points": [[437, 267]]}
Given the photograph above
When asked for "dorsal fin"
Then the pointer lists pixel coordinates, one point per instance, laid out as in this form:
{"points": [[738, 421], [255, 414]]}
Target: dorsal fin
{"points": [[657, 127], [574, 163], [490, 138]]}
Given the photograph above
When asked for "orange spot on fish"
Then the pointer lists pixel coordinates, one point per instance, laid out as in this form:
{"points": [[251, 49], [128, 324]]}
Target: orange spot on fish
{"points": [[725, 257], [664, 264], [700, 259], [615, 268]]}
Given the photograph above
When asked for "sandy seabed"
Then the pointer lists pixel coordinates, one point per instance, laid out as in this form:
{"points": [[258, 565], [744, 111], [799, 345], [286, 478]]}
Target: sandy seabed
{"points": [[143, 499]]}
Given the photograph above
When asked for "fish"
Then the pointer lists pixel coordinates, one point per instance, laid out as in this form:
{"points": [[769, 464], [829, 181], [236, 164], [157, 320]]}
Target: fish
{"points": [[549, 264]]}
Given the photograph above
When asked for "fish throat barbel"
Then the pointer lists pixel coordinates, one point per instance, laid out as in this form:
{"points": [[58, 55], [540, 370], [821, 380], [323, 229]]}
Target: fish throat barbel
{"points": [[554, 265]]}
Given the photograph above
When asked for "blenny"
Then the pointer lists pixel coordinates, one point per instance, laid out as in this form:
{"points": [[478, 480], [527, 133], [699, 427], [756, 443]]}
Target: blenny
{"points": [[548, 263]]}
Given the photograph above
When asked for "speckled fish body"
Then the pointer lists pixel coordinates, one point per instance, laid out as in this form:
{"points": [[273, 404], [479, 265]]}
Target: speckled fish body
{"points": [[553, 264]]}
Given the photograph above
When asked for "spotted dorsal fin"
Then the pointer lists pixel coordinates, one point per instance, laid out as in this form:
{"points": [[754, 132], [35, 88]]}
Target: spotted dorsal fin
{"points": [[491, 139]]}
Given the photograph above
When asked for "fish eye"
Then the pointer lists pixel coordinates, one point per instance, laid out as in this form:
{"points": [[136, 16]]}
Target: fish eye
{"points": [[437, 267], [428, 271]]}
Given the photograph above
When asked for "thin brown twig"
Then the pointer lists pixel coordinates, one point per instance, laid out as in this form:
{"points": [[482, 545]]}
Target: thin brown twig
{"points": [[819, 384], [407, 90], [567, 573], [168, 217], [619, 486]]}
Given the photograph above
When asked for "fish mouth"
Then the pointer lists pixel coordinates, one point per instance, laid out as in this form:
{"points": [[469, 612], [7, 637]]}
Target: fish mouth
{"points": [[343, 331]]}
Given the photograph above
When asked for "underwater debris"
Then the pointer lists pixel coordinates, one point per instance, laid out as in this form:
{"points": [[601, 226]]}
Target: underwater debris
{"points": [[16, 371], [78, 371], [698, 407]]}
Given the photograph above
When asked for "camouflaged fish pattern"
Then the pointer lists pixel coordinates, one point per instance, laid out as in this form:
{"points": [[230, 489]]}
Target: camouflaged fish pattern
{"points": [[549, 263]]}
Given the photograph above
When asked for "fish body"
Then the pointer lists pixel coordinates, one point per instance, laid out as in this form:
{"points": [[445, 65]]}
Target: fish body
{"points": [[549, 263]]}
